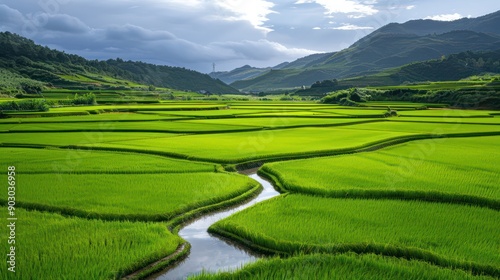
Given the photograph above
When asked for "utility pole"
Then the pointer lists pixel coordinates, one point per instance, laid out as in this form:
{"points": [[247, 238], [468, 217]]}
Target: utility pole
{"points": [[213, 66]]}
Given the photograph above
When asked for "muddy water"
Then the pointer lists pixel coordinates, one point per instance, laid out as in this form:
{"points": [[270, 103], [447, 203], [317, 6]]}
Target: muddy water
{"points": [[209, 253]]}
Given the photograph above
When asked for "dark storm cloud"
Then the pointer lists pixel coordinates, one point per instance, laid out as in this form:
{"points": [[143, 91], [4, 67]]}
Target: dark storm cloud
{"points": [[10, 17], [65, 23], [136, 33]]}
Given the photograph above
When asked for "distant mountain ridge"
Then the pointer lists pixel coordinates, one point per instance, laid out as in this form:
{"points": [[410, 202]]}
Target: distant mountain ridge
{"points": [[22, 56], [450, 68], [390, 46], [248, 72], [485, 24]]}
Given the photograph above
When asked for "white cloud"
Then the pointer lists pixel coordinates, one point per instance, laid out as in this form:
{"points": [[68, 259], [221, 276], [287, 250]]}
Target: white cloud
{"points": [[317, 28], [356, 16], [189, 3], [255, 11], [445, 17], [361, 9], [258, 50], [411, 7], [352, 27]]}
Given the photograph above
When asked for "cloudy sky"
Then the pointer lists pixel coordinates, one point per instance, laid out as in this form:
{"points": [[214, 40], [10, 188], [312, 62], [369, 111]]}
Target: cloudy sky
{"points": [[230, 33]]}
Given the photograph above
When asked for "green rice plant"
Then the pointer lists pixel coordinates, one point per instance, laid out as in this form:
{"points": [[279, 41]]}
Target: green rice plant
{"points": [[403, 104], [46, 114], [434, 128], [462, 170], [344, 266], [458, 121], [147, 126], [80, 138], [32, 161], [285, 113], [226, 113], [278, 122], [446, 113], [240, 147], [297, 142], [50, 246], [355, 112], [138, 107], [244, 146], [150, 197], [111, 117], [443, 234], [281, 107]]}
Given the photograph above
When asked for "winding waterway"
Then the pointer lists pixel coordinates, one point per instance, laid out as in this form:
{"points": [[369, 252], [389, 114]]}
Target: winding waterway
{"points": [[210, 253]]}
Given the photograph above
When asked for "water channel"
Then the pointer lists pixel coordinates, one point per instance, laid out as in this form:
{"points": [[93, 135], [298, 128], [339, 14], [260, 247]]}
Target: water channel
{"points": [[211, 253]]}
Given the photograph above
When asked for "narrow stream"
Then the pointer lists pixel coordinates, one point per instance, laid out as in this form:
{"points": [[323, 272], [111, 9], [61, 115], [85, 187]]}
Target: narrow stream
{"points": [[209, 253]]}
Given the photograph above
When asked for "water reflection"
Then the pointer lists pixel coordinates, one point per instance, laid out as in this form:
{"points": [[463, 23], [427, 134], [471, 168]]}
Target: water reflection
{"points": [[210, 253]]}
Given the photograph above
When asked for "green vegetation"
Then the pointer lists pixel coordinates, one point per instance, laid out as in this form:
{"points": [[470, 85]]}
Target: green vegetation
{"points": [[119, 154], [432, 128], [446, 119], [103, 162], [122, 196], [344, 266], [14, 84], [278, 122], [89, 139], [447, 113], [52, 68], [449, 170], [149, 126], [97, 162], [112, 117], [233, 147], [453, 67], [25, 105], [241, 146], [57, 247], [464, 94], [371, 61], [446, 235]]}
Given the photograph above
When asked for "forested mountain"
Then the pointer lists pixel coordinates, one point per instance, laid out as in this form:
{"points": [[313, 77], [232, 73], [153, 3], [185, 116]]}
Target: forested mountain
{"points": [[390, 46], [22, 57], [450, 68], [485, 24], [241, 73], [248, 72]]}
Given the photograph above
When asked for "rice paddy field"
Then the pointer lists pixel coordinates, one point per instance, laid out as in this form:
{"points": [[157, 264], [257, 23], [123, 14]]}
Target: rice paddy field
{"points": [[406, 170], [107, 187], [122, 196], [445, 234], [59, 247], [344, 266]]}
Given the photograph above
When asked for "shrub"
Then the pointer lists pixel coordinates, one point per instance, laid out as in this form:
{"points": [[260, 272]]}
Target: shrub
{"points": [[86, 99], [25, 105]]}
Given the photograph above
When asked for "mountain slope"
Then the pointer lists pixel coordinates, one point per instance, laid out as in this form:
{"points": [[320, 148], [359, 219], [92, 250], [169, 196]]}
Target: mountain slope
{"points": [[22, 56], [390, 46], [248, 72], [242, 73], [452, 68], [307, 61], [484, 24]]}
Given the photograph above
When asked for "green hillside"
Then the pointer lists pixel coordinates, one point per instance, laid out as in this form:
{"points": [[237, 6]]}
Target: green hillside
{"points": [[391, 46], [450, 68], [21, 57], [248, 72]]}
